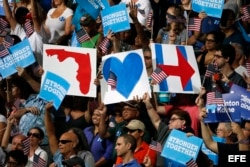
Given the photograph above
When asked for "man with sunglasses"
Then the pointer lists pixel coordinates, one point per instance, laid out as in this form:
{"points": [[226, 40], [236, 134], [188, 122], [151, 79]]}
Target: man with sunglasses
{"points": [[67, 147]]}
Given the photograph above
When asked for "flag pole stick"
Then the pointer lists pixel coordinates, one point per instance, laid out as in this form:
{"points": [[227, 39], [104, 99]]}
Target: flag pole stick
{"points": [[226, 109]]}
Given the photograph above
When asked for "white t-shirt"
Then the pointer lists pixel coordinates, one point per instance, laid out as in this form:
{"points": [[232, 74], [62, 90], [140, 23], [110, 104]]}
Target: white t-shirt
{"points": [[143, 10], [42, 154], [3, 118], [36, 43], [56, 26], [19, 31]]}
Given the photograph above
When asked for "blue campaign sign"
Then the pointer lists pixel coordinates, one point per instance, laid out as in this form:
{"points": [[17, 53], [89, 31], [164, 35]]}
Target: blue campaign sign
{"points": [[211, 155], [2, 13], [115, 18], [21, 55], [243, 96], [211, 7], [91, 6], [179, 148], [54, 89]]}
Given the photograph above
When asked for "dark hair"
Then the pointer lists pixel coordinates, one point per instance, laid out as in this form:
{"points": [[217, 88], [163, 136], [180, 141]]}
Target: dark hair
{"points": [[82, 141], [22, 84], [19, 156], [218, 36], [183, 115], [129, 139], [16, 39], [20, 14], [227, 51], [41, 133], [75, 102], [226, 13]]}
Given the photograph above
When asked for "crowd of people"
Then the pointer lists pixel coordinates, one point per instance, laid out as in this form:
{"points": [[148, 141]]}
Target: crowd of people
{"points": [[83, 131]]}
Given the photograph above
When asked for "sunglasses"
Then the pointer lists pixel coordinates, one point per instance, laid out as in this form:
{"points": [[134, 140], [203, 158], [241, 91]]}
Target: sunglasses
{"points": [[33, 135], [65, 141]]}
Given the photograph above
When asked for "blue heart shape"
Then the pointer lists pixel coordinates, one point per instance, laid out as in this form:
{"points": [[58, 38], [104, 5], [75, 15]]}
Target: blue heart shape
{"points": [[128, 72]]}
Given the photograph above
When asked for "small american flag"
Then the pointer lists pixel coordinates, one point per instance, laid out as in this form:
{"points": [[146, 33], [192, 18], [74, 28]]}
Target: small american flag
{"points": [[246, 13], [194, 24], [28, 28], [8, 41], [3, 51], [211, 69], [112, 80], [248, 68], [150, 19], [38, 162], [3, 24], [214, 98], [159, 75], [154, 145], [105, 45], [191, 163], [82, 35], [26, 146]]}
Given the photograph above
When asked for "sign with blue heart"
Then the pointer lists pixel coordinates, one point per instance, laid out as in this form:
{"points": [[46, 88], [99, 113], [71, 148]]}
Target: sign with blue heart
{"points": [[124, 76]]}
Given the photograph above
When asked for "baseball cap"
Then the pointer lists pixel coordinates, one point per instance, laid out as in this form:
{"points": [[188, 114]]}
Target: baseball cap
{"points": [[132, 104], [86, 20], [136, 124], [74, 161]]}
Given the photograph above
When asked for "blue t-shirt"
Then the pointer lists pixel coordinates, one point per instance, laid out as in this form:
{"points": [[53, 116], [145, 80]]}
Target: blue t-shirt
{"points": [[132, 163]]}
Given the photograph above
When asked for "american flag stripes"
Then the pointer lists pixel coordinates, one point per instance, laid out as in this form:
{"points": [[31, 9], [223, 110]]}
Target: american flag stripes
{"points": [[3, 24], [8, 41], [156, 146], [150, 19], [105, 45], [194, 24], [112, 80], [214, 98], [211, 69], [26, 146], [3, 51], [191, 163], [28, 28], [38, 162], [248, 68], [82, 35], [246, 13], [159, 75]]}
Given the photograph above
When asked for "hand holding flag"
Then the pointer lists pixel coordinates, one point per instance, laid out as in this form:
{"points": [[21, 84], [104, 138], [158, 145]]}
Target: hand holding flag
{"points": [[38, 162], [26, 146], [82, 35], [3, 51], [154, 145], [28, 28]]}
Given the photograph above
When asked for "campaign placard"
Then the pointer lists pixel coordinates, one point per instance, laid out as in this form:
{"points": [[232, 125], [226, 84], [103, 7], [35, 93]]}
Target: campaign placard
{"points": [[53, 89], [180, 149], [21, 54], [115, 18], [212, 8]]}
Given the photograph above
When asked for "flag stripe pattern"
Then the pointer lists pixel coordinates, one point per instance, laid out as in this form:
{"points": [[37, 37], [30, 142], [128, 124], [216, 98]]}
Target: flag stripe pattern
{"points": [[156, 146], [159, 75], [28, 28], [8, 41], [246, 13], [214, 98], [26, 146], [82, 35], [112, 80], [191, 163], [3, 24], [150, 19], [194, 24], [38, 162], [248, 68], [105, 45], [211, 69], [3, 51]]}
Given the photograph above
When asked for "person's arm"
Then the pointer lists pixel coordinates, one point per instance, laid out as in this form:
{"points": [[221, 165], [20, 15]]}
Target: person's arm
{"points": [[240, 136], [103, 131], [2, 129], [33, 83], [154, 117], [8, 15], [207, 137], [50, 129], [36, 23], [7, 132]]}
